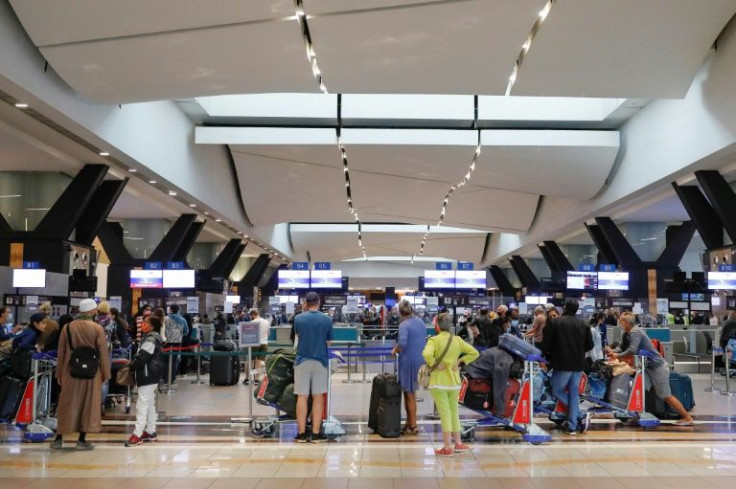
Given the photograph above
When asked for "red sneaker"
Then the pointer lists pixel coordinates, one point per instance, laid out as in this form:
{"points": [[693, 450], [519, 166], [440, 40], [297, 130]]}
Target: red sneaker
{"points": [[133, 441], [461, 448], [444, 452], [146, 436]]}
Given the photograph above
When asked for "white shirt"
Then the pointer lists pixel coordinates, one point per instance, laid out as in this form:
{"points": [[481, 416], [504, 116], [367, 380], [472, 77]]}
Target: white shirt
{"points": [[263, 328]]}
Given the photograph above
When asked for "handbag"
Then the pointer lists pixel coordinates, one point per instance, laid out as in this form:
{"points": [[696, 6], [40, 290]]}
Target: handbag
{"points": [[425, 370], [85, 360], [125, 377]]}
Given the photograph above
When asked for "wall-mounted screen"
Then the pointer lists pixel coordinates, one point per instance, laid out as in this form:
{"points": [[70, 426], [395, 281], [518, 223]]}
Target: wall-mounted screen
{"points": [[235, 299], [439, 279], [582, 280], [470, 279], [293, 279], [146, 279], [179, 279], [29, 277], [613, 280], [326, 279], [722, 280]]}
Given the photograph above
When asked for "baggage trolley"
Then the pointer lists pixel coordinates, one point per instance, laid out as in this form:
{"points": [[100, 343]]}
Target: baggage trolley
{"points": [[522, 417], [331, 427], [635, 409], [34, 413], [120, 357]]}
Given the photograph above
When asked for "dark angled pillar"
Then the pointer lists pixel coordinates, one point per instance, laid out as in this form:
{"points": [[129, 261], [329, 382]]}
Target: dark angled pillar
{"points": [[168, 246], [721, 197], [622, 250], [678, 239], [706, 219], [548, 258], [230, 265], [525, 274], [5, 228], [561, 261], [253, 276], [502, 281], [111, 237], [219, 266], [605, 252], [189, 239], [65, 214], [98, 209]]}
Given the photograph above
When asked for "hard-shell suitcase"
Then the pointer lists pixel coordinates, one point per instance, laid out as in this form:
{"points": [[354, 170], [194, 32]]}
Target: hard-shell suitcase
{"points": [[224, 370], [388, 417], [510, 400], [383, 386], [11, 393], [620, 390], [518, 347], [681, 386]]}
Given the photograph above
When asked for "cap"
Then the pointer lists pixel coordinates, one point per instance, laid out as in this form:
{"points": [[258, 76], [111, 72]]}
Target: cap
{"points": [[86, 305]]}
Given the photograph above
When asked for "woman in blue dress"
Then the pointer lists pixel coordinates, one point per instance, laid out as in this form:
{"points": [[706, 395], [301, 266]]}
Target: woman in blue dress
{"points": [[411, 342]]}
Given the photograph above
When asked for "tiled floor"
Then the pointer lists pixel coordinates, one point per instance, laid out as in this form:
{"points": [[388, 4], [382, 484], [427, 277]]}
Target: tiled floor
{"points": [[201, 448]]}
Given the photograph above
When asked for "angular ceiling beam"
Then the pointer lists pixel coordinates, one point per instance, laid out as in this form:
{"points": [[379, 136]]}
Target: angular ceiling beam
{"points": [[502, 281], [707, 221], [678, 239], [96, 212], [254, 274], [168, 246], [604, 249], [721, 197], [111, 237], [189, 239], [548, 258], [561, 261], [620, 246], [525, 274], [219, 266], [230, 265]]}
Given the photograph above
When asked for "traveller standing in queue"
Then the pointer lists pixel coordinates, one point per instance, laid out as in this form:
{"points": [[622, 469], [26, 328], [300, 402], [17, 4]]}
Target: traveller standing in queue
{"points": [[80, 399], [566, 341], [146, 365], [411, 342], [176, 328], [264, 327], [658, 372], [536, 333], [313, 331], [448, 352]]}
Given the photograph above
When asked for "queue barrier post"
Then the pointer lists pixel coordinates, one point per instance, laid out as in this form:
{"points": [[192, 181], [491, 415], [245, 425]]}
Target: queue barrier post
{"points": [[728, 357], [712, 387], [168, 384]]}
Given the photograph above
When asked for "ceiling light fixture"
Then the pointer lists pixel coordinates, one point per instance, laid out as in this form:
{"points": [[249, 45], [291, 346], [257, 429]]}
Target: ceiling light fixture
{"points": [[132, 170], [218, 220], [152, 182], [104, 153], [192, 205], [543, 14], [206, 213], [21, 105], [302, 17], [172, 193], [12, 196]]}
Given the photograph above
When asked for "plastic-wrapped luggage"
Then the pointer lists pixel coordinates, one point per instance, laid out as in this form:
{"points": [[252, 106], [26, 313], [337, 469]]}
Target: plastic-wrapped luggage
{"points": [[597, 386], [279, 374], [517, 346], [620, 390]]}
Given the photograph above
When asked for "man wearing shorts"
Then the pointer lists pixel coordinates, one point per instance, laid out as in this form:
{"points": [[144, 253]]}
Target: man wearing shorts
{"points": [[313, 330], [657, 370], [264, 328]]}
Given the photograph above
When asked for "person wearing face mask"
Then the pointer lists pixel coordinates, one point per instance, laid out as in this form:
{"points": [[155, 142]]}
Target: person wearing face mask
{"points": [[7, 328], [147, 366]]}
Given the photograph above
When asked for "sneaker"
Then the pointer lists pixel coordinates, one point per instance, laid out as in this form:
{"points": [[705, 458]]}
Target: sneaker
{"points": [[319, 438], [245, 382], [444, 452], [584, 423], [133, 441], [57, 445], [84, 446], [146, 436], [461, 448], [302, 438], [571, 432]]}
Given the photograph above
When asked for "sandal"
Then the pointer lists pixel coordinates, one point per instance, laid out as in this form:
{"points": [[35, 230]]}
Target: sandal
{"points": [[410, 430]]}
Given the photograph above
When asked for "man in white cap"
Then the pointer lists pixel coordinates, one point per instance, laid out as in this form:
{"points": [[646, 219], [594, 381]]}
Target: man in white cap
{"points": [[83, 365]]}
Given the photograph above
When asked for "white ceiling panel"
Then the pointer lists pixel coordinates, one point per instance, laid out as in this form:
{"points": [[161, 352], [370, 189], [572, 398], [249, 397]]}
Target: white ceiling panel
{"points": [[291, 183], [490, 209], [129, 206], [262, 57], [543, 161], [21, 152], [54, 22], [622, 48], [464, 47], [668, 209], [322, 7]]}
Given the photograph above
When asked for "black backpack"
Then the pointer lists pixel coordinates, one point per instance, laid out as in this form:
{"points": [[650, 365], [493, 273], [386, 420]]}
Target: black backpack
{"points": [[85, 360]]}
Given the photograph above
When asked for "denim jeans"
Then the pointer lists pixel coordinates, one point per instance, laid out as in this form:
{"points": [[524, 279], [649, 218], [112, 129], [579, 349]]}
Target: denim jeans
{"points": [[565, 388]]}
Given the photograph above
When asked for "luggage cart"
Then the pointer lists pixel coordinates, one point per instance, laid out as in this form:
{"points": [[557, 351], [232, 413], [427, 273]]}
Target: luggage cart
{"points": [[331, 427], [34, 413], [120, 357], [522, 418], [635, 408]]}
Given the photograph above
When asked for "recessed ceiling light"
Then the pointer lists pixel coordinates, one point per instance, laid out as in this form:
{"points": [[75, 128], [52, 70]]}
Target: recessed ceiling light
{"points": [[104, 153], [132, 170], [206, 213], [152, 182], [21, 105], [218, 220], [245, 235], [192, 205], [172, 193], [9, 196]]}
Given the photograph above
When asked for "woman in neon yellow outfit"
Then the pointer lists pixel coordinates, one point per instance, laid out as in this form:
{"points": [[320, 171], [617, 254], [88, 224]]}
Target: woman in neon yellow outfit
{"points": [[444, 382]]}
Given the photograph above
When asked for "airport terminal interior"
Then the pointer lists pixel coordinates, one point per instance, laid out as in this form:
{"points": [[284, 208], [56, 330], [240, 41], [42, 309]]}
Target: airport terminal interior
{"points": [[211, 208]]}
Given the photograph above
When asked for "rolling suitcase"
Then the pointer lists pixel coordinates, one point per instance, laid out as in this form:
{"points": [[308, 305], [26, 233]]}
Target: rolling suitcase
{"points": [[518, 347], [477, 394], [383, 386], [224, 370], [681, 386], [21, 364], [510, 399], [11, 393], [388, 417], [620, 390]]}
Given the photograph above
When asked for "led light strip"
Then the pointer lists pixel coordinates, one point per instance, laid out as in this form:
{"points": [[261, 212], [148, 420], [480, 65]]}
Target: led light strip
{"points": [[543, 14], [301, 17], [452, 189], [348, 192]]}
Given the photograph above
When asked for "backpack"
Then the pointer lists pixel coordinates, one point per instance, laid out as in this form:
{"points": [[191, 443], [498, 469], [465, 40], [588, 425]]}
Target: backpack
{"points": [[85, 360], [659, 347]]}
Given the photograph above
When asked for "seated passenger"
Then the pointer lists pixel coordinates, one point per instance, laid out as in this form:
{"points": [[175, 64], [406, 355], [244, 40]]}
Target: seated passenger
{"points": [[657, 369], [27, 339]]}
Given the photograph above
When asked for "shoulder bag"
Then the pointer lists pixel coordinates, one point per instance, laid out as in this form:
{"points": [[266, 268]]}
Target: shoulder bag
{"points": [[85, 360], [425, 371], [125, 377]]}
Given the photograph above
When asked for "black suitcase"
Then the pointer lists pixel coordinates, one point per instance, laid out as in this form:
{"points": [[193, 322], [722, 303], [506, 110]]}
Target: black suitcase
{"points": [[224, 370], [619, 390], [113, 386], [384, 386], [388, 417], [11, 393], [21, 364]]}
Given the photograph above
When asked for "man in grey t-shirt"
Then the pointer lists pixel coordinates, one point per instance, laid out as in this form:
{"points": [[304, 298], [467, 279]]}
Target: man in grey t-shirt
{"points": [[657, 369]]}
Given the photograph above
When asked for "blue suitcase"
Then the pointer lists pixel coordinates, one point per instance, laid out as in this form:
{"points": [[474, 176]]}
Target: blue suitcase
{"points": [[682, 388], [518, 347]]}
